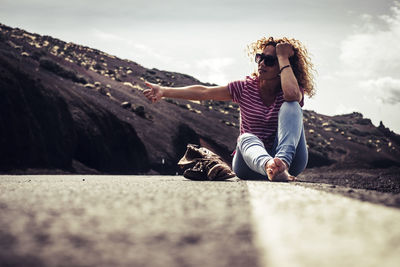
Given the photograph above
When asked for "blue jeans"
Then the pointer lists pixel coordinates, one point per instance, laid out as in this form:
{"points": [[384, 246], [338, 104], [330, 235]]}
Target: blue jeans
{"points": [[290, 145]]}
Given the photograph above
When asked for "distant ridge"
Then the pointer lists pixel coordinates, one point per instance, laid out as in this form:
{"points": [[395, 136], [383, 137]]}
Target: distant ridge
{"points": [[71, 108]]}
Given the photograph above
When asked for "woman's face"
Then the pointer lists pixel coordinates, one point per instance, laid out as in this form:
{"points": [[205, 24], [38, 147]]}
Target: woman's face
{"points": [[268, 69]]}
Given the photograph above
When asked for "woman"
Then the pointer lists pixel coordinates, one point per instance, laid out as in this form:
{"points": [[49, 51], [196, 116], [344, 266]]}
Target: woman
{"points": [[272, 142]]}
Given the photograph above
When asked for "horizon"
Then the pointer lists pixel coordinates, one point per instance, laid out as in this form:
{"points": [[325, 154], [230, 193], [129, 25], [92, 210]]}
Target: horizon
{"points": [[354, 74]]}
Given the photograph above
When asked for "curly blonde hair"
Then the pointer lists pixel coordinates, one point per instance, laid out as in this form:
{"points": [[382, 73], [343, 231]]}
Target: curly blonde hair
{"points": [[301, 64]]}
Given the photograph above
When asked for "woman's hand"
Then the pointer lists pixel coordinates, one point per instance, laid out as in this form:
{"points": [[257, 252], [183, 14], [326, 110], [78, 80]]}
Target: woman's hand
{"points": [[155, 93], [289, 83], [284, 50]]}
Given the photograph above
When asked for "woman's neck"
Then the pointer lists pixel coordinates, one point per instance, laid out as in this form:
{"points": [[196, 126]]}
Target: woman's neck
{"points": [[270, 87]]}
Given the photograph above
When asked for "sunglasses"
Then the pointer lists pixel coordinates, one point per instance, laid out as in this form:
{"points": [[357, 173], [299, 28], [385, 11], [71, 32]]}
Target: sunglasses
{"points": [[268, 60]]}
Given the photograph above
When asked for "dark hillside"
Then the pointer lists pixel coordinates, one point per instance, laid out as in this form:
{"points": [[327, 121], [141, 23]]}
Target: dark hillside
{"points": [[70, 108]]}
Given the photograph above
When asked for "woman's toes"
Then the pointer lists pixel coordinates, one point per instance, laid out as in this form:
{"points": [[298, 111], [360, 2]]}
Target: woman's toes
{"points": [[281, 177], [271, 172], [277, 170], [271, 164]]}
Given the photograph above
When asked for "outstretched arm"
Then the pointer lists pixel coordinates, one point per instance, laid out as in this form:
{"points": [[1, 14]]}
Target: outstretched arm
{"points": [[192, 92]]}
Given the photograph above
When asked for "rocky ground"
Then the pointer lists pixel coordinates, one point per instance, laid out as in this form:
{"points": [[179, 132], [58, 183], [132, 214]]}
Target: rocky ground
{"points": [[373, 185]]}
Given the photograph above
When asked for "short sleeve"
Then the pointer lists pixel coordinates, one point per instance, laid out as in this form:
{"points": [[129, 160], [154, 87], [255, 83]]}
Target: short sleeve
{"points": [[235, 89]]}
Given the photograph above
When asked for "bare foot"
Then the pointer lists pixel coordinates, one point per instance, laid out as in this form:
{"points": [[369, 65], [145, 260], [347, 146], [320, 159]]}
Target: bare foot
{"points": [[277, 171]]}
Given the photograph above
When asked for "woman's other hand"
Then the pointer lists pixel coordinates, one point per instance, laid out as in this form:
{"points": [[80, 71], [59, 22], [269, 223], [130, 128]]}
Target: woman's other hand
{"points": [[155, 93], [284, 50]]}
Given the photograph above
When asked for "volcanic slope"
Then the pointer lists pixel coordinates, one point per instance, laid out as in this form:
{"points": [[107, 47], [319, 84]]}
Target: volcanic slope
{"points": [[70, 108]]}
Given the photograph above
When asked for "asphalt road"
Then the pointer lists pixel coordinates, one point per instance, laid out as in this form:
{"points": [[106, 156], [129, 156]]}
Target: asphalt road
{"points": [[170, 221]]}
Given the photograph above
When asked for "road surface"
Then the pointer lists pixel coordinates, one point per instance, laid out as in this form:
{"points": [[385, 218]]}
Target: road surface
{"points": [[87, 220]]}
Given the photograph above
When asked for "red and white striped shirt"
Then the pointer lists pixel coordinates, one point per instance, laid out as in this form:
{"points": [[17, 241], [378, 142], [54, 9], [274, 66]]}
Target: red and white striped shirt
{"points": [[255, 117]]}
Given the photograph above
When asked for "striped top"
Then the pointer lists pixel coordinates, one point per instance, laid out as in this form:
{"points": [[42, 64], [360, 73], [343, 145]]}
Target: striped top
{"points": [[255, 117]]}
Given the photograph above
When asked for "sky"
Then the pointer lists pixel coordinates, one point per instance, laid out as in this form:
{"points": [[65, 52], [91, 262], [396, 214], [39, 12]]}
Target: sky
{"points": [[353, 43]]}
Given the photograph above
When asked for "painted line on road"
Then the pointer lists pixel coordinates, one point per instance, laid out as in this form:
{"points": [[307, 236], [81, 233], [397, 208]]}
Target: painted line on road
{"points": [[298, 226]]}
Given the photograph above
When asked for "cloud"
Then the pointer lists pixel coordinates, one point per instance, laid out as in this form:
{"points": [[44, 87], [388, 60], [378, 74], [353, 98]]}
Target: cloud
{"points": [[142, 51], [214, 64], [370, 56], [107, 36], [343, 109], [373, 49], [385, 89], [215, 68]]}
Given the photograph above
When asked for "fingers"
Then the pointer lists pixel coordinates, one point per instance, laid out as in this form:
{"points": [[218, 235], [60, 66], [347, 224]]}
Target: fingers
{"points": [[277, 164], [148, 93], [285, 48], [280, 164]]}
